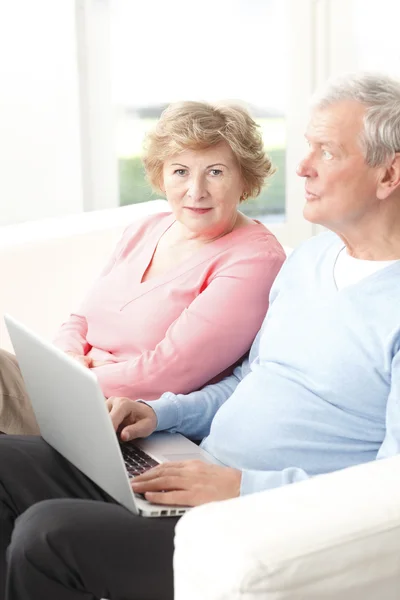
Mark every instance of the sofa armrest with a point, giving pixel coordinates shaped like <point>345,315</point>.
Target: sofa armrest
<point>334,536</point>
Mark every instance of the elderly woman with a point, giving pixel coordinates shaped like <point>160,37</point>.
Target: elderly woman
<point>184,293</point>
<point>319,392</point>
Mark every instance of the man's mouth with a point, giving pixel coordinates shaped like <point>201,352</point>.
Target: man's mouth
<point>310,196</point>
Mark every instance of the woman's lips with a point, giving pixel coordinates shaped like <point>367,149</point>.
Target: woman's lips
<point>198,211</point>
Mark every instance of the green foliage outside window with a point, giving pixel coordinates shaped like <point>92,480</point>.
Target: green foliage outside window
<point>134,187</point>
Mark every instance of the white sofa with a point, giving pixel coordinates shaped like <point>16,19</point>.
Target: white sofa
<point>334,537</point>
<point>47,266</point>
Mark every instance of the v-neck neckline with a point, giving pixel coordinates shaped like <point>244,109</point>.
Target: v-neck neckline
<point>336,249</point>
<point>203,254</point>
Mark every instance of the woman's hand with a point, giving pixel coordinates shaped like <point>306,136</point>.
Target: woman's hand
<point>86,361</point>
<point>188,483</point>
<point>101,363</point>
<point>134,419</point>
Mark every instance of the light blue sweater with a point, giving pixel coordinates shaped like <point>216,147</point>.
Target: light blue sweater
<point>321,388</point>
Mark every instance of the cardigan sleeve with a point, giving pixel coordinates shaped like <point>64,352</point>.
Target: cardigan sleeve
<point>71,336</point>
<point>212,334</point>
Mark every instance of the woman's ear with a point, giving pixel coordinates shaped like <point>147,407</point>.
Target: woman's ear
<point>161,185</point>
<point>390,180</point>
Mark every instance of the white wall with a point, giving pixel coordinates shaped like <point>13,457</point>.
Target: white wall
<point>56,128</point>
<point>363,35</point>
<point>40,153</point>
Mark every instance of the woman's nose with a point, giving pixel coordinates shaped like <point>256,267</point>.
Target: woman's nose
<point>197,188</point>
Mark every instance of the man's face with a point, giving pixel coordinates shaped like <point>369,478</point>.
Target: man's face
<point>340,187</point>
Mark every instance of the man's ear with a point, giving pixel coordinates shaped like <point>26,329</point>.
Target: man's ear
<point>390,179</point>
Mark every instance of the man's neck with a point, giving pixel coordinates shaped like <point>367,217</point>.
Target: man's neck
<point>376,237</point>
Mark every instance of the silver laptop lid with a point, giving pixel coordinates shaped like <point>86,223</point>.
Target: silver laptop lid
<point>71,411</point>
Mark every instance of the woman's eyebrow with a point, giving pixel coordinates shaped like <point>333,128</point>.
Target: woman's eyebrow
<point>218,165</point>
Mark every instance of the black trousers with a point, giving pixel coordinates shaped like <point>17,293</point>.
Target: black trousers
<point>63,538</point>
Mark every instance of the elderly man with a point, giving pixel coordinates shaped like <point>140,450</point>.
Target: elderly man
<point>319,392</point>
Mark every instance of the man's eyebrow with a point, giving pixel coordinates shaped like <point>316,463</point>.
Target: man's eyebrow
<point>323,142</point>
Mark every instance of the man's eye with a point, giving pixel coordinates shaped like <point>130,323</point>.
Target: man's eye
<point>180,172</point>
<point>216,172</point>
<point>326,154</point>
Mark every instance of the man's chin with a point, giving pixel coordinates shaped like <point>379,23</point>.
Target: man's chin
<point>312,212</point>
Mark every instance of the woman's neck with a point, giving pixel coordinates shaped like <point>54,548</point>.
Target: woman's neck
<point>182,234</point>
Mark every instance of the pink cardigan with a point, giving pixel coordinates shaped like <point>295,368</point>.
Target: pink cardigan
<point>183,328</point>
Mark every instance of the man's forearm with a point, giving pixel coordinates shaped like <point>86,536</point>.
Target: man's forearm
<point>192,414</point>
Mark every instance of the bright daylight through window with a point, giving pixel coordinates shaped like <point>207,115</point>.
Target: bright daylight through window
<point>232,50</point>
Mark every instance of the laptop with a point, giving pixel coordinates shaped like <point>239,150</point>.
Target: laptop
<point>73,418</point>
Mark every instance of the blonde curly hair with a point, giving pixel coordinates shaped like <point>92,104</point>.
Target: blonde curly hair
<point>199,125</point>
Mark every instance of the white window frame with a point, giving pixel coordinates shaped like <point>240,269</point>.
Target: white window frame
<point>310,53</point>
<point>333,51</point>
<point>100,183</point>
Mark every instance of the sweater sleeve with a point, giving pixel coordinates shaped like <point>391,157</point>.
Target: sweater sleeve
<point>192,414</point>
<point>213,333</point>
<point>257,481</point>
<point>391,443</point>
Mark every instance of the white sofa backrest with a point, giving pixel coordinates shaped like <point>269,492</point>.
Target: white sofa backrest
<point>47,266</point>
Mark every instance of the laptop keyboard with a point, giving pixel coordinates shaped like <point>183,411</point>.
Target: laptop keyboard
<point>136,461</point>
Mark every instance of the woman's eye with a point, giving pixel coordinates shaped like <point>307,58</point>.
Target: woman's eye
<point>180,172</point>
<point>326,154</point>
<point>216,172</point>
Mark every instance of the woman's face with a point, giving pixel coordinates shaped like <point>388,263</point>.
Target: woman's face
<point>203,188</point>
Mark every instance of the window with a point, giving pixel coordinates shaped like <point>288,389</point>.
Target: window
<point>76,107</point>
<point>381,26</point>
<point>227,50</point>
<point>359,35</point>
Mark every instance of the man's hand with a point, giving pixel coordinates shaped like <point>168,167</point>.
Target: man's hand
<point>86,361</point>
<point>188,483</point>
<point>134,419</point>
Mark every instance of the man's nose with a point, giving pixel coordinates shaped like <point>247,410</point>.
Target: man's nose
<point>305,167</point>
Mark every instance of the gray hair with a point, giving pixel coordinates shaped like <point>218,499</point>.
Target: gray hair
<point>380,94</point>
